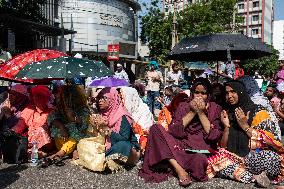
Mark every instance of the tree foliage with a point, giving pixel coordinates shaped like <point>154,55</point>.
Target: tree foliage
<point>156,30</point>
<point>28,9</point>
<point>205,17</point>
<point>265,66</point>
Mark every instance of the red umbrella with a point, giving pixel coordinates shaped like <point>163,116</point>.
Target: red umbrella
<point>10,68</point>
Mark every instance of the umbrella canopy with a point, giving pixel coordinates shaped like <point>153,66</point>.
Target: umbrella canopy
<point>64,67</point>
<point>196,65</point>
<point>109,82</point>
<point>219,47</point>
<point>12,67</point>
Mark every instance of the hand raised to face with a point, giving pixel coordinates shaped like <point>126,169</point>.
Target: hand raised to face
<point>242,118</point>
<point>225,119</point>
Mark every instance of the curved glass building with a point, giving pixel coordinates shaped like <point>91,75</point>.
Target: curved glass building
<point>99,22</point>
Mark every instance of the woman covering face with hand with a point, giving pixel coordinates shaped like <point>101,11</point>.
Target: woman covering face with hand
<point>195,125</point>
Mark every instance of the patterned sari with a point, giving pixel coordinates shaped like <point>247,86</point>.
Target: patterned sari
<point>262,152</point>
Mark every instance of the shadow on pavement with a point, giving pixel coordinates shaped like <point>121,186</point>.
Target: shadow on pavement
<point>10,174</point>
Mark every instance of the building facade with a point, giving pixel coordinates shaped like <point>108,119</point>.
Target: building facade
<point>258,18</point>
<point>278,37</point>
<point>99,23</point>
<point>168,5</point>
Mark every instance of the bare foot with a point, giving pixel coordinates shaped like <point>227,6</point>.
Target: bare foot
<point>75,155</point>
<point>133,157</point>
<point>262,180</point>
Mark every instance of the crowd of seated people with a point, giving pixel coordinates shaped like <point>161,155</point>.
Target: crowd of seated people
<point>230,130</point>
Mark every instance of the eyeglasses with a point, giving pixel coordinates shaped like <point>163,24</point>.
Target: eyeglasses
<point>200,92</point>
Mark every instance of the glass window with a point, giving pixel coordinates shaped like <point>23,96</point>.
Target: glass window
<point>255,18</point>
<point>255,4</point>
<point>255,31</point>
<point>241,6</point>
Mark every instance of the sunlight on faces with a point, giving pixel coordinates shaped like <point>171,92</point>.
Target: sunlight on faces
<point>231,96</point>
<point>103,102</point>
<point>282,105</point>
<point>269,92</point>
<point>200,92</point>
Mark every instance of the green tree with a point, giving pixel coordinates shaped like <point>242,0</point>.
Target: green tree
<point>27,9</point>
<point>205,17</point>
<point>156,30</point>
<point>267,65</point>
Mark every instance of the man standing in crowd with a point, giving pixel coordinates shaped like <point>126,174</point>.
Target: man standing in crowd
<point>154,78</point>
<point>174,76</point>
<point>279,77</point>
<point>121,73</point>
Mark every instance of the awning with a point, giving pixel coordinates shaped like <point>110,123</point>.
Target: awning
<point>13,22</point>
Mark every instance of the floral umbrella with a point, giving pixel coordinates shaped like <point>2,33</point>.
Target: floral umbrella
<point>62,68</point>
<point>12,67</point>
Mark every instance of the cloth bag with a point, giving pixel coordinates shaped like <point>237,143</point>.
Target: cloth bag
<point>14,148</point>
<point>92,153</point>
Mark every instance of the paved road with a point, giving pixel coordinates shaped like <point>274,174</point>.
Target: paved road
<point>70,176</point>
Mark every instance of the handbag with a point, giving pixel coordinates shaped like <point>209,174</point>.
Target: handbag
<point>92,153</point>
<point>14,148</point>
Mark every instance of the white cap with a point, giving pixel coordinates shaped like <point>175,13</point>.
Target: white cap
<point>78,55</point>
<point>119,65</point>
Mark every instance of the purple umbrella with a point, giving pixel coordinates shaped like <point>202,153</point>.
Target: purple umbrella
<point>109,82</point>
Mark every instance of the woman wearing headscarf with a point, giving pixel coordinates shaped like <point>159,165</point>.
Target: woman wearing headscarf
<point>255,95</point>
<point>70,119</point>
<point>249,139</point>
<point>12,108</point>
<point>166,114</point>
<point>140,113</point>
<point>34,119</point>
<point>195,125</point>
<point>121,142</point>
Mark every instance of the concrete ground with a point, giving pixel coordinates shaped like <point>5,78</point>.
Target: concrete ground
<point>71,176</point>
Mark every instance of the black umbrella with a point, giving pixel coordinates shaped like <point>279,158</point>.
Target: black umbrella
<point>222,47</point>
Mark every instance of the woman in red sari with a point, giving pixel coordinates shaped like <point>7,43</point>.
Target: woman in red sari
<point>195,125</point>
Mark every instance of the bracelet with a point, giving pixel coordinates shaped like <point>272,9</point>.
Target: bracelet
<point>246,130</point>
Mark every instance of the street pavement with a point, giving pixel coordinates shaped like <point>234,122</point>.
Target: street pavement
<point>71,176</point>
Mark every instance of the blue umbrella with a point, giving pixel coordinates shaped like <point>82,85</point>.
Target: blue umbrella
<point>196,65</point>
<point>109,82</point>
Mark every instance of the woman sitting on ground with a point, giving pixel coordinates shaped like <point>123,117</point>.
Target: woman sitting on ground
<point>139,112</point>
<point>70,119</point>
<point>249,138</point>
<point>121,144</point>
<point>195,125</point>
<point>166,114</point>
<point>13,106</point>
<point>34,120</point>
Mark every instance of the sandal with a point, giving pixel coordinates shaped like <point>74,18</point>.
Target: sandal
<point>46,162</point>
<point>58,161</point>
<point>185,182</point>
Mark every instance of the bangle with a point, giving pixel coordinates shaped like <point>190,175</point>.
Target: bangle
<point>246,130</point>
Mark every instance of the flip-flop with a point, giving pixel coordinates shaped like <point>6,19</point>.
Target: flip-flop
<point>46,162</point>
<point>58,161</point>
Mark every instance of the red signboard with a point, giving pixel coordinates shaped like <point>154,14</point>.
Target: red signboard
<point>113,52</point>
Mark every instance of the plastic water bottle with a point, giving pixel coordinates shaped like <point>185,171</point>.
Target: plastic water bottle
<point>34,155</point>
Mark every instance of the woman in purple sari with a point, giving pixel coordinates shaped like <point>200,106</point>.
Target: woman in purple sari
<point>195,125</point>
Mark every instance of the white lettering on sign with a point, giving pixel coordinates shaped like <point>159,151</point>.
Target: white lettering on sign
<point>111,20</point>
